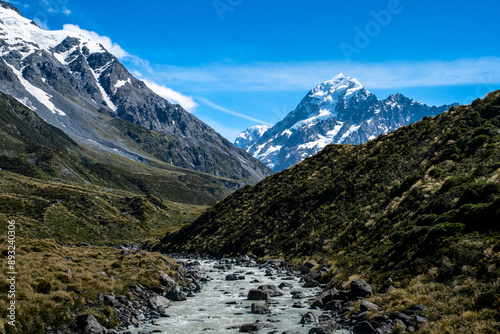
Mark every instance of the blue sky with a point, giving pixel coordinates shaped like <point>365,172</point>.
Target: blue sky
<point>238,63</point>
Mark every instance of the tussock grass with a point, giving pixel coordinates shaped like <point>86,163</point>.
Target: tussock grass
<point>50,288</point>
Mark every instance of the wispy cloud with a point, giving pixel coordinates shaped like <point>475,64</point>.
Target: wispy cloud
<point>172,96</point>
<point>288,76</point>
<point>230,112</point>
<point>66,11</point>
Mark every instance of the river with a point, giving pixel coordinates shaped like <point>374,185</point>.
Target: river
<point>222,306</point>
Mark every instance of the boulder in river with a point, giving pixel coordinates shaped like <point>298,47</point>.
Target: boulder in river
<point>258,294</point>
<point>309,318</point>
<point>158,302</point>
<point>260,309</point>
<point>298,295</point>
<point>176,295</point>
<point>273,290</point>
<point>252,327</point>
<point>285,285</point>
<point>232,277</point>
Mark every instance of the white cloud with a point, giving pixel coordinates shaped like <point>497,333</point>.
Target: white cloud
<point>293,76</point>
<point>230,112</point>
<point>172,96</point>
<point>108,44</point>
<point>66,11</point>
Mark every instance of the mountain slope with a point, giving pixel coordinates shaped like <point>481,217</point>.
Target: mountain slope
<point>338,111</point>
<point>59,190</point>
<point>33,148</point>
<point>75,84</point>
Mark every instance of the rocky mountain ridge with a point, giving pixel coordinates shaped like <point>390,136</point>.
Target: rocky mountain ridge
<point>337,111</point>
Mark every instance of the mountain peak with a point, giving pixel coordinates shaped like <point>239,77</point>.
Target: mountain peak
<point>335,89</point>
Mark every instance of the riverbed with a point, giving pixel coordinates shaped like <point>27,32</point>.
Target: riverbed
<point>222,305</point>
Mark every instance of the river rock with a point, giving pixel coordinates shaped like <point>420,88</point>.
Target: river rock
<point>363,328</point>
<point>311,283</point>
<point>232,277</point>
<point>367,306</point>
<point>307,266</point>
<point>285,285</point>
<point>309,318</point>
<point>176,295</point>
<point>258,294</point>
<point>325,297</point>
<point>273,290</point>
<point>159,303</point>
<point>328,327</point>
<point>166,280</point>
<point>88,324</point>
<point>260,309</point>
<point>360,289</point>
<point>253,327</point>
<point>300,305</point>
<point>298,295</point>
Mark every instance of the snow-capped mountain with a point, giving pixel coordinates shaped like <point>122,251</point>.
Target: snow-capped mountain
<point>250,135</point>
<point>75,84</point>
<point>338,111</point>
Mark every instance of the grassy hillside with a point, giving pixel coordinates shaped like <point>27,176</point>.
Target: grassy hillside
<point>421,203</point>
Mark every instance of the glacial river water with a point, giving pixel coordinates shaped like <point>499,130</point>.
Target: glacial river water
<point>222,306</point>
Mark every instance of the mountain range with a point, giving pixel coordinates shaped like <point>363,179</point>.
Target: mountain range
<point>72,82</point>
<point>337,111</point>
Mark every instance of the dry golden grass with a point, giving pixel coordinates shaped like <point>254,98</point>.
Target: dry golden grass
<point>49,287</point>
<point>450,308</point>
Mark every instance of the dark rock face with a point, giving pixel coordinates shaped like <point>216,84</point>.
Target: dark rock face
<point>338,111</point>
